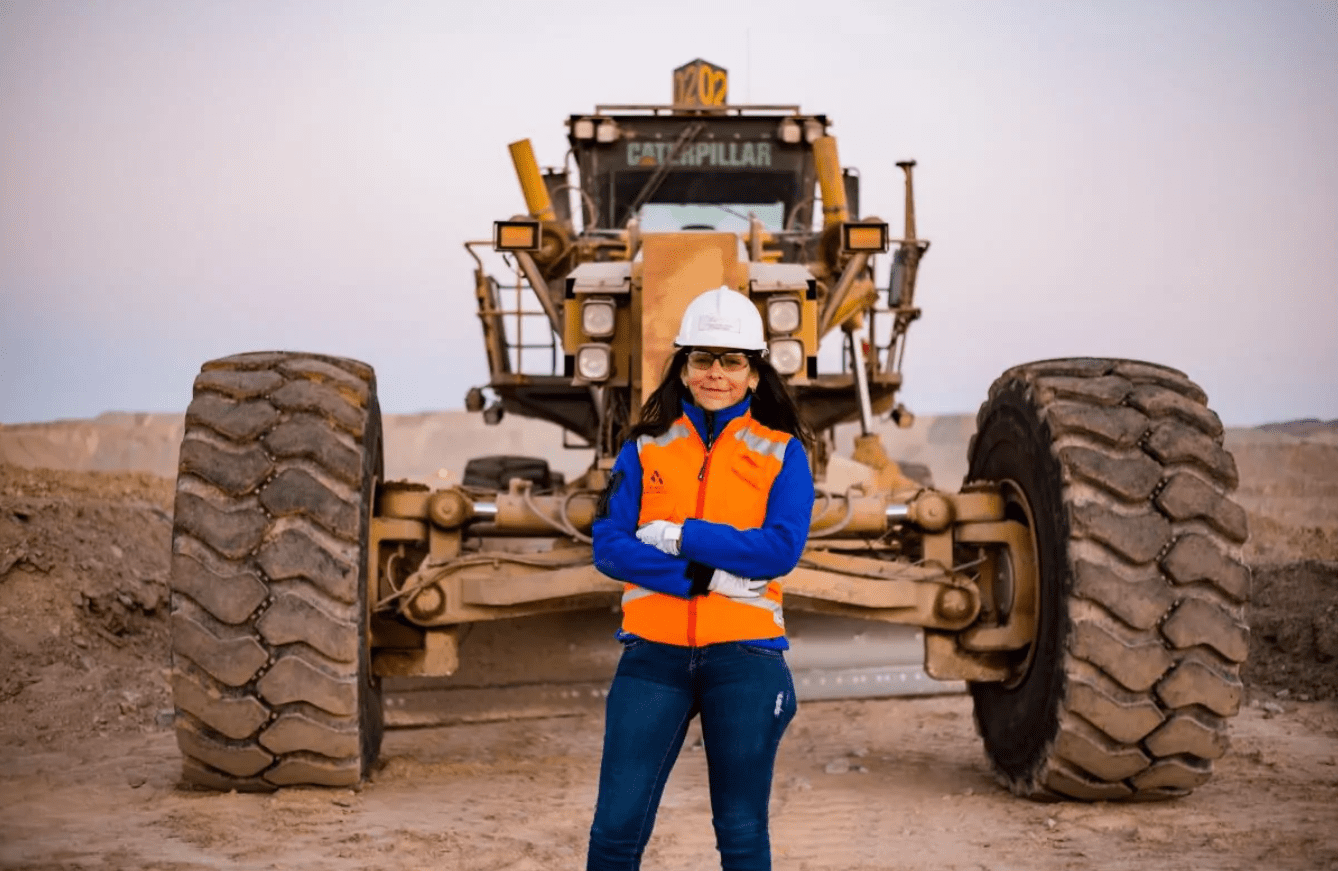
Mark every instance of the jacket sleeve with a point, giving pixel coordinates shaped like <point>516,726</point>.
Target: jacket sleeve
<point>618,552</point>
<point>774,548</point>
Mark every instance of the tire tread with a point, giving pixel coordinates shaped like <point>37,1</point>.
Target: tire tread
<point>270,675</point>
<point>1152,614</point>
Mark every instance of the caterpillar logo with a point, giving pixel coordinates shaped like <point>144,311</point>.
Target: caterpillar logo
<point>727,154</point>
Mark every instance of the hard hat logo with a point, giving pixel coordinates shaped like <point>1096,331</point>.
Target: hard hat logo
<point>722,318</point>
<point>715,323</point>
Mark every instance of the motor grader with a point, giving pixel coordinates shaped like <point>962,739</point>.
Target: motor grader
<point>1084,581</point>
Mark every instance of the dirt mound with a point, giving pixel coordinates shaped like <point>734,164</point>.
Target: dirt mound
<point>1294,630</point>
<point>1307,427</point>
<point>83,602</point>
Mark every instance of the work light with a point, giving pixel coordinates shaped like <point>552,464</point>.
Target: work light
<point>597,318</point>
<point>783,314</point>
<point>864,236</point>
<point>786,355</point>
<point>515,235</point>
<point>593,362</point>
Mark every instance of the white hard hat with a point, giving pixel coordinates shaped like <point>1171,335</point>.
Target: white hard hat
<point>722,318</point>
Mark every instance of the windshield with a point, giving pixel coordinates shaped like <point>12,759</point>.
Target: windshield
<point>767,192</point>
<point>723,217</point>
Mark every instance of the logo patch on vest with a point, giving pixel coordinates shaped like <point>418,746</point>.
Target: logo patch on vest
<point>655,484</point>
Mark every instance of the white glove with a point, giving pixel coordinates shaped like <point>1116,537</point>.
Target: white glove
<point>735,587</point>
<point>663,535</point>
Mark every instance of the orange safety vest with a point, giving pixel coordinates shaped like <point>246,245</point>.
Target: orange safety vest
<point>729,484</point>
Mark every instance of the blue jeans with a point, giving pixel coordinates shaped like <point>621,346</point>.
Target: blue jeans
<point>745,696</point>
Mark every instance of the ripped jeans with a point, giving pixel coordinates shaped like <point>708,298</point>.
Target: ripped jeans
<point>745,696</point>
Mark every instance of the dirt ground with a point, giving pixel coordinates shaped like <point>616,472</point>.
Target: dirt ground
<point>89,765</point>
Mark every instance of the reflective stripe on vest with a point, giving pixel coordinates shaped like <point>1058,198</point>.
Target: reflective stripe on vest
<point>730,484</point>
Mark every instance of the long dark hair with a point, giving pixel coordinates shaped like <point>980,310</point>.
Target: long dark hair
<point>773,404</point>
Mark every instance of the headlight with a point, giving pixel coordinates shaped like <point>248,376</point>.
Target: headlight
<point>583,128</point>
<point>607,132</point>
<point>597,318</point>
<point>783,314</point>
<point>790,131</point>
<point>813,130</point>
<point>593,362</point>
<point>787,355</point>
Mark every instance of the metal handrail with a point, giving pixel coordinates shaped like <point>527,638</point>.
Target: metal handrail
<point>515,349</point>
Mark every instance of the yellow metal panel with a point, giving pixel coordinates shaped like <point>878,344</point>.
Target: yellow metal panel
<point>808,331</point>
<point>676,267</point>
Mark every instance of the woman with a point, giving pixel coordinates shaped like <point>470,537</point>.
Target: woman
<point>710,498</point>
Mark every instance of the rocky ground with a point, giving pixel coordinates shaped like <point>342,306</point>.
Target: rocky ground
<point>88,764</point>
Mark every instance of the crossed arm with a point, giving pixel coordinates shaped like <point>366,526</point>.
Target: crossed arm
<point>769,551</point>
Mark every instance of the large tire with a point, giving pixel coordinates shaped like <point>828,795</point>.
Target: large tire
<point>271,671</point>
<point>1141,628</point>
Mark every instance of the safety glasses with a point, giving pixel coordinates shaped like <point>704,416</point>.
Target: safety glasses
<point>730,361</point>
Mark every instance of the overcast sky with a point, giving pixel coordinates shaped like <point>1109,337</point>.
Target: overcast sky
<point>182,180</point>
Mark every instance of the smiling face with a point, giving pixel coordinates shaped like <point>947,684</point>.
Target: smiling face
<point>712,385</point>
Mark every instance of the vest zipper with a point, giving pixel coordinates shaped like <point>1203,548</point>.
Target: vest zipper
<point>708,441</point>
